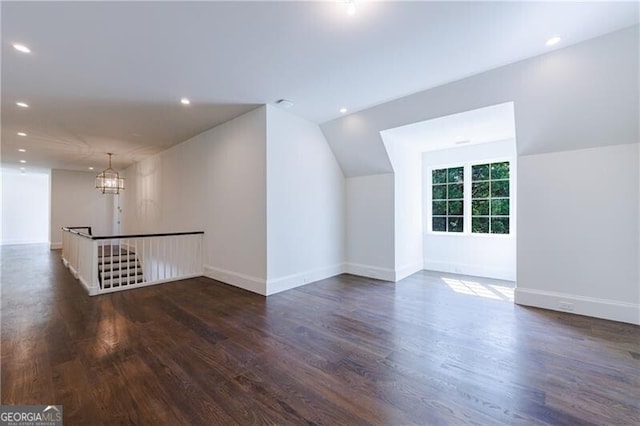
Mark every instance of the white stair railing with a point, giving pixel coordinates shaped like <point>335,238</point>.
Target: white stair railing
<point>106,264</point>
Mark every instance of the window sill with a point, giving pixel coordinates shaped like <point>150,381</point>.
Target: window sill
<point>469,234</point>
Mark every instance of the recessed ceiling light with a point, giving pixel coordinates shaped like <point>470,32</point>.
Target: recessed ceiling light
<point>22,134</point>
<point>23,161</point>
<point>351,7</point>
<point>553,40</point>
<point>22,104</point>
<point>90,168</point>
<point>21,48</point>
<point>343,110</point>
<point>22,150</point>
<point>185,101</point>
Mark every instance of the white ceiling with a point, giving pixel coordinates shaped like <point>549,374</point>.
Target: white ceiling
<point>108,76</point>
<point>482,125</point>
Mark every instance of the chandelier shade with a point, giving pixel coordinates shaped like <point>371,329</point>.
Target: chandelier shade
<point>109,181</point>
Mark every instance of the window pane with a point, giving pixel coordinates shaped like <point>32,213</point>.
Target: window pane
<point>490,207</point>
<point>456,174</point>
<point>480,207</point>
<point>480,190</point>
<point>439,223</point>
<point>499,225</point>
<point>500,207</point>
<point>500,170</point>
<point>439,208</point>
<point>490,204</point>
<point>480,172</point>
<point>480,225</point>
<point>500,188</point>
<point>439,176</point>
<point>455,208</point>
<point>455,223</point>
<point>439,192</point>
<point>456,190</point>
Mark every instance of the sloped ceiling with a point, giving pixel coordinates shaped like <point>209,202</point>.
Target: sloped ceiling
<point>583,96</point>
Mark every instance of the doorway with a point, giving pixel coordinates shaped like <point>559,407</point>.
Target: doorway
<point>25,206</point>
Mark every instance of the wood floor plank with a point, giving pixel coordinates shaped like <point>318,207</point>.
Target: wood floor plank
<point>346,350</point>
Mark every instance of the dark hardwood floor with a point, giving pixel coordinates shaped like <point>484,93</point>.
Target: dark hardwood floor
<point>343,351</point>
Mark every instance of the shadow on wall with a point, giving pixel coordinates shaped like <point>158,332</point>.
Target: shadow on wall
<point>148,177</point>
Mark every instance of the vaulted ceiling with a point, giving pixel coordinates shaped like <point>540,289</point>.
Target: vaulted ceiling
<point>108,76</point>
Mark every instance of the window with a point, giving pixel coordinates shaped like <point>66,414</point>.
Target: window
<point>490,198</point>
<point>448,200</point>
<point>487,198</point>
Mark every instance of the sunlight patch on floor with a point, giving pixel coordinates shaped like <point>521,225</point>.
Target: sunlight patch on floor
<point>474,288</point>
<point>506,292</point>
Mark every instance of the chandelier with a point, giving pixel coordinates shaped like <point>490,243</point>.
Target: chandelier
<point>109,181</point>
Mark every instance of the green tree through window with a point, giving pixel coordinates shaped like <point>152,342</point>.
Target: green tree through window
<point>447,189</point>
<point>490,198</point>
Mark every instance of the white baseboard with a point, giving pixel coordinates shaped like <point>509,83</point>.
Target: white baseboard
<point>369,271</point>
<point>22,242</point>
<point>588,306</point>
<point>73,270</point>
<point>55,246</point>
<point>276,285</point>
<point>386,274</point>
<point>405,271</point>
<point>466,269</point>
<point>86,285</point>
<point>77,276</point>
<point>246,282</point>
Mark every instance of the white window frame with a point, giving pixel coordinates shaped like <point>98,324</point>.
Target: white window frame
<point>428,197</point>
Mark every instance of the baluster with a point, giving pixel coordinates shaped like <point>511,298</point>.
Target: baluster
<point>183,248</point>
<point>177,255</point>
<point>174,256</point>
<point>111,284</point>
<point>101,270</point>
<point>166,255</point>
<point>142,261</point>
<point>172,249</point>
<point>135,260</point>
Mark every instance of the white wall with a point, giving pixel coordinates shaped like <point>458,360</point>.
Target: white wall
<point>305,204</point>
<point>370,226</point>
<point>25,207</point>
<point>406,160</point>
<point>76,202</point>
<point>578,231</point>
<point>266,190</point>
<point>492,256</point>
<point>582,96</point>
<point>166,192</point>
<point>215,182</point>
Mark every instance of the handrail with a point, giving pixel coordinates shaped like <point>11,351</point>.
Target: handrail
<point>168,234</point>
<point>108,263</point>
<point>72,229</point>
